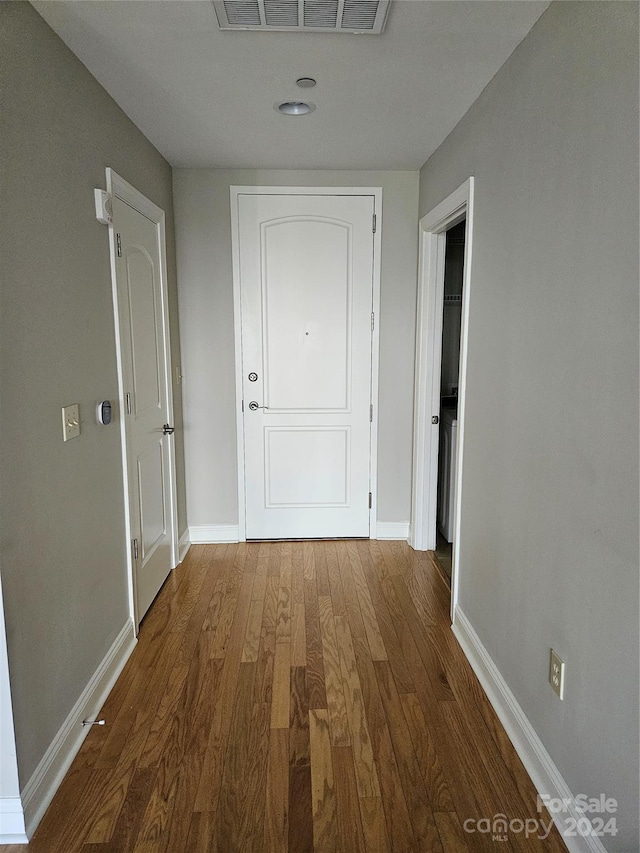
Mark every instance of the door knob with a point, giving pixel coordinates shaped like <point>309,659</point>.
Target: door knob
<point>168,430</point>
<point>253,405</point>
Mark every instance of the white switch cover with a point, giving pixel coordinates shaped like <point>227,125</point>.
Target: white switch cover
<point>70,422</point>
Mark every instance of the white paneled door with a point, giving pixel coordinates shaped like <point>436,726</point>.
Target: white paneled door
<point>305,265</point>
<point>144,346</point>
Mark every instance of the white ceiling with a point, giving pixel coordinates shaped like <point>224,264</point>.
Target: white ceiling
<point>205,97</point>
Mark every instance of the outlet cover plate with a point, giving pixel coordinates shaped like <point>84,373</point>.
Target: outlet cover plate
<point>556,674</point>
<point>70,422</point>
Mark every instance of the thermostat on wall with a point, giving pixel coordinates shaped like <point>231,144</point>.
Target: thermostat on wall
<point>104,212</point>
<point>104,412</point>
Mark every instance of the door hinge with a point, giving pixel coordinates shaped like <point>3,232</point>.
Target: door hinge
<point>371,413</point>
<point>374,223</point>
<point>135,549</point>
<point>370,500</point>
<point>128,402</point>
<point>373,321</point>
<point>243,405</point>
<point>119,245</point>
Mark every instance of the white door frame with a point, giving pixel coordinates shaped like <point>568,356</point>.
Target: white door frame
<point>376,192</point>
<point>119,188</point>
<point>433,227</point>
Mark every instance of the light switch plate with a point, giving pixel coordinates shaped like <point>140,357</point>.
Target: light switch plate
<point>70,422</point>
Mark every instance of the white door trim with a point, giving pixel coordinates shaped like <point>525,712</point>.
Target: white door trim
<point>118,187</point>
<point>428,366</point>
<point>12,820</point>
<point>376,192</point>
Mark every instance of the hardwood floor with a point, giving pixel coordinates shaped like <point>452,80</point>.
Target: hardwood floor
<point>295,696</point>
<point>443,554</point>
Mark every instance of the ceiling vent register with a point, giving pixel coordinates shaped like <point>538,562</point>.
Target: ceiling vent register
<point>317,16</point>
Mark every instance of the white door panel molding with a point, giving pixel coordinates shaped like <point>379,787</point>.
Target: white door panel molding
<point>306,284</point>
<point>139,274</point>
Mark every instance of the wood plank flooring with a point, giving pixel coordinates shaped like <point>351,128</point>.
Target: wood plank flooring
<point>295,696</point>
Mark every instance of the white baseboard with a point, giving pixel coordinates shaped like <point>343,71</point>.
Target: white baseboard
<point>209,534</point>
<point>12,829</point>
<point>46,779</point>
<point>183,545</point>
<point>392,530</point>
<point>538,763</point>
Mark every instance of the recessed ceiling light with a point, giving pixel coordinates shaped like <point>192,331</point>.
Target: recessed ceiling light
<point>295,108</point>
<point>306,82</point>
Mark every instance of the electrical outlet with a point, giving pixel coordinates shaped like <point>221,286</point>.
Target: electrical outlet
<point>70,422</point>
<point>556,674</point>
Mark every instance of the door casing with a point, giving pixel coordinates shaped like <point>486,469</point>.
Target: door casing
<point>235,192</point>
<point>118,187</point>
<point>432,247</point>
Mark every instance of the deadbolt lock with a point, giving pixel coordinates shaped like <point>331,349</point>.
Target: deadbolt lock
<point>253,377</point>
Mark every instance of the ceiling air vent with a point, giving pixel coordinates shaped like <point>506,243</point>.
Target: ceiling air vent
<point>317,16</point>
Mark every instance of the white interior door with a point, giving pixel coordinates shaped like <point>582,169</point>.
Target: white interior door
<point>144,344</point>
<point>306,289</point>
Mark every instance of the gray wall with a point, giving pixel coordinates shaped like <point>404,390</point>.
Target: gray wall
<point>61,507</point>
<point>549,538</point>
<point>203,234</point>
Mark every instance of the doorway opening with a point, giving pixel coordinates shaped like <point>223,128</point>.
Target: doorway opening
<point>455,210</point>
<point>449,384</point>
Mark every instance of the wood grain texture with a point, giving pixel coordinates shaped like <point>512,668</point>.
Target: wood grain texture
<point>323,794</point>
<point>420,811</point>
<point>115,788</point>
<point>336,592</point>
<point>396,808</point>
<point>281,697</point>
<point>374,826</point>
<point>294,696</point>
<point>425,751</point>
<point>315,659</point>
<point>298,622</point>
<point>201,832</point>
<point>364,764</point>
<point>283,613</point>
<point>263,685</point>
<point>322,573</point>
<point>241,810</point>
<point>276,825</point>
<point>299,748</point>
<point>234,779</point>
<point>270,610</point>
<point>369,617</point>
<point>300,809</point>
<point>236,584</point>
<point>252,637</point>
<point>451,833</point>
<point>309,561</point>
<point>333,676</point>
<point>210,780</point>
<point>350,836</point>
